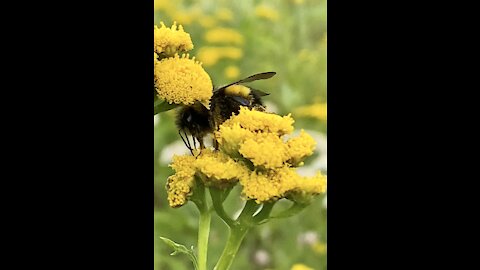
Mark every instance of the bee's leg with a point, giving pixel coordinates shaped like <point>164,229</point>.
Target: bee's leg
<point>185,142</point>
<point>214,140</point>
<point>194,143</point>
<point>189,144</point>
<point>202,145</point>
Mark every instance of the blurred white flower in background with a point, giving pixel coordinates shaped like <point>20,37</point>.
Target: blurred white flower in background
<point>175,148</point>
<point>179,148</point>
<point>307,238</point>
<point>271,107</point>
<point>261,257</point>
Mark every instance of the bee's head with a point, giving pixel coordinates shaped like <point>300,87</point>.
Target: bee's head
<point>193,118</point>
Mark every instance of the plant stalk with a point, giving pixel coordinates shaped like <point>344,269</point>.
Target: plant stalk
<point>235,239</point>
<point>200,201</point>
<point>203,233</point>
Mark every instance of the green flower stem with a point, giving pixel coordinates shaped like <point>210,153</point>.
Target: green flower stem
<point>204,225</point>
<point>203,232</point>
<point>237,233</point>
<point>217,199</point>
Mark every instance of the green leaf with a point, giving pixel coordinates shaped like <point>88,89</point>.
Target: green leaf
<point>162,106</point>
<point>177,248</point>
<point>293,210</point>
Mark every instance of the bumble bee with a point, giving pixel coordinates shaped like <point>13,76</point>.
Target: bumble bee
<point>198,121</point>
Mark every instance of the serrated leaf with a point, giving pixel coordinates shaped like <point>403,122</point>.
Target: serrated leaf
<point>178,248</point>
<point>162,106</point>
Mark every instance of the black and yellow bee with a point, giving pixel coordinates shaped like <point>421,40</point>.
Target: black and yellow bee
<point>198,121</point>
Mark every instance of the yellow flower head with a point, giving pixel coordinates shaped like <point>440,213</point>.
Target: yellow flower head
<point>317,111</point>
<point>232,72</point>
<point>211,55</point>
<point>266,12</point>
<point>220,170</point>
<point>312,185</point>
<point>269,185</point>
<point>300,266</point>
<point>179,185</point>
<point>320,248</point>
<point>165,5</point>
<point>267,151</point>
<point>182,80</point>
<point>207,21</point>
<point>300,147</point>
<point>213,168</point>
<point>308,187</point>
<point>224,14</point>
<point>184,17</point>
<point>171,40</point>
<point>224,35</point>
<point>231,137</point>
<point>298,2</point>
<point>258,121</point>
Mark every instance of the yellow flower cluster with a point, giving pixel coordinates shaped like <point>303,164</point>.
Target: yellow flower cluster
<point>317,111</point>
<point>232,72</point>
<point>300,147</point>
<point>212,167</point>
<point>300,266</point>
<point>182,80</point>
<point>298,2</point>
<point>257,138</point>
<point>220,169</point>
<point>266,12</point>
<point>171,40</point>
<point>207,21</point>
<point>252,152</point>
<point>260,121</point>
<point>224,14</point>
<point>210,55</point>
<point>223,35</point>
<point>320,248</point>
<point>180,184</point>
<point>165,5</point>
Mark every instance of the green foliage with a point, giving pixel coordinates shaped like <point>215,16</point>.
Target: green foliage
<point>181,249</point>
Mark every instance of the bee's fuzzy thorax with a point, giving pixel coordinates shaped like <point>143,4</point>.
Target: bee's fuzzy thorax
<point>238,90</point>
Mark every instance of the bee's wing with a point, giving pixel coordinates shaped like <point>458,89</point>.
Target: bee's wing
<point>259,93</point>
<point>255,77</point>
<point>258,76</point>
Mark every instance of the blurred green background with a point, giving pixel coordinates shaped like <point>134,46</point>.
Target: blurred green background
<point>235,39</point>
